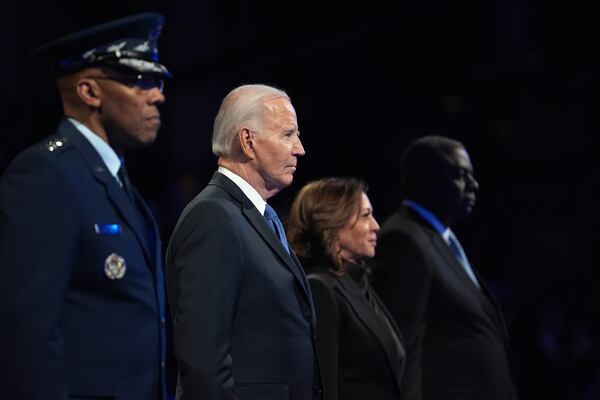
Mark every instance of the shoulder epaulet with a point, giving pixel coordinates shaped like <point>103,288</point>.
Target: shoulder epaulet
<point>55,143</point>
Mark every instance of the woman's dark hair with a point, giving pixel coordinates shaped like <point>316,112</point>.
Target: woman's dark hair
<point>318,212</point>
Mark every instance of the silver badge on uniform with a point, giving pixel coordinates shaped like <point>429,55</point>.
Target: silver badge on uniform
<point>115,266</point>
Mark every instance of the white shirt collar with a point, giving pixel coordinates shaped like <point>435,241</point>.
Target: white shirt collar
<point>248,190</point>
<point>108,155</point>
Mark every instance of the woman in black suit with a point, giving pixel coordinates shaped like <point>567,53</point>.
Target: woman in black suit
<point>332,229</point>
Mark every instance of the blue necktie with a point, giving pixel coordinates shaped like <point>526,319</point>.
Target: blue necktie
<point>462,257</point>
<point>275,224</point>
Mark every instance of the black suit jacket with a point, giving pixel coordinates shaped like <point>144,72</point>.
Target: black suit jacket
<point>455,333</point>
<point>242,310</point>
<point>67,328</point>
<point>359,357</point>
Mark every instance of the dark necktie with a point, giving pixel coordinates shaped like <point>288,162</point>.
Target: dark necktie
<point>128,188</point>
<point>462,257</point>
<point>126,184</point>
<point>275,224</point>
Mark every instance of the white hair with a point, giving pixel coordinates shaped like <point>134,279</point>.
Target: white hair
<point>242,107</point>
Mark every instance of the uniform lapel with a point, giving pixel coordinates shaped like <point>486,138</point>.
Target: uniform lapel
<point>365,312</point>
<point>149,219</point>
<point>157,265</point>
<point>114,192</point>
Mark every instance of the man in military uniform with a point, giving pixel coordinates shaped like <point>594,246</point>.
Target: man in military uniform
<point>81,278</point>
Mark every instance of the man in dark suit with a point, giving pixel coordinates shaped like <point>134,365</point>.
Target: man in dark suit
<point>453,327</point>
<point>243,317</point>
<point>81,279</point>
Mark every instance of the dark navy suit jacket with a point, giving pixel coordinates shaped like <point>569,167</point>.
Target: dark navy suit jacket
<point>455,333</point>
<point>243,318</point>
<point>67,328</point>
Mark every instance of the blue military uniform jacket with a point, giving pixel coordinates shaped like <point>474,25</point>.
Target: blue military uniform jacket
<point>81,280</point>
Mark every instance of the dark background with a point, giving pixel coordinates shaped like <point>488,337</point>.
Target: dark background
<point>515,81</point>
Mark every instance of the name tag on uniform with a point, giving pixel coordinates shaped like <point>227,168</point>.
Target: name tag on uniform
<point>107,229</point>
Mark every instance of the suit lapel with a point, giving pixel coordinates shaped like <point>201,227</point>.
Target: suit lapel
<point>447,254</point>
<point>365,312</point>
<point>484,294</point>
<point>443,250</point>
<point>260,225</point>
<point>305,284</point>
<point>494,308</point>
<point>114,192</point>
